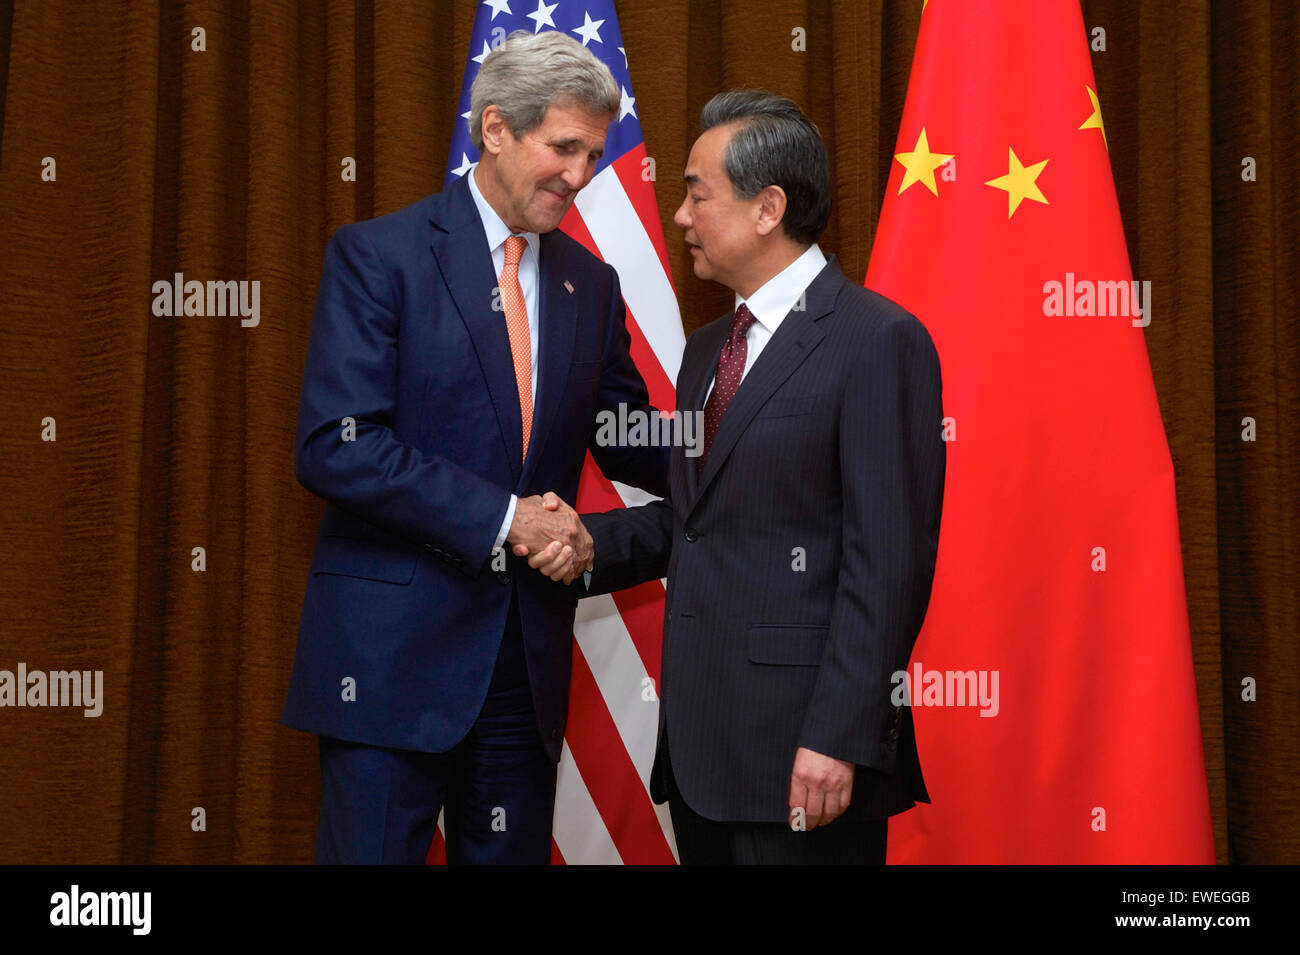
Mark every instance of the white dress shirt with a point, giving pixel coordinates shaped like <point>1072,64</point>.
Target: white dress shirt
<point>529,267</point>
<point>773,301</point>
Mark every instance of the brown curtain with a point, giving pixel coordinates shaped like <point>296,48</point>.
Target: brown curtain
<point>176,434</point>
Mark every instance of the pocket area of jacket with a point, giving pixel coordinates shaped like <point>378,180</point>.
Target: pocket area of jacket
<point>786,644</point>
<point>367,559</point>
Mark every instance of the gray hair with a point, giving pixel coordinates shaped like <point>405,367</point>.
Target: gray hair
<point>775,145</point>
<point>530,72</point>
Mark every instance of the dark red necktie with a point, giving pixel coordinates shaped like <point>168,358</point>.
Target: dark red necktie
<point>731,365</point>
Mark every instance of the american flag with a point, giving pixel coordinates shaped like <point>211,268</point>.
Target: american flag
<point>603,811</point>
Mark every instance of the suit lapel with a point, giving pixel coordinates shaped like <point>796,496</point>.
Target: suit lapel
<point>557,329</point>
<point>460,247</point>
<point>792,343</point>
<point>694,383</point>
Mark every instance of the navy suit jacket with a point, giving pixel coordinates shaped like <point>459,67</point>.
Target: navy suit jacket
<point>799,562</point>
<point>404,610</point>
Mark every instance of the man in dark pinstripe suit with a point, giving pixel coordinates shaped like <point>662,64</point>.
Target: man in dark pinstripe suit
<point>800,546</point>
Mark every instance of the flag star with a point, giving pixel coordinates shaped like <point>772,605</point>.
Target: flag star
<point>625,104</point>
<point>1094,121</point>
<point>624,52</point>
<point>590,30</point>
<point>542,15</point>
<point>498,6</point>
<point>464,167</point>
<point>1020,182</point>
<point>486,50</point>
<point>465,115</point>
<point>919,165</point>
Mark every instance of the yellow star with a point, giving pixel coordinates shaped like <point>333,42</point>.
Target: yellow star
<point>1019,182</point>
<point>920,165</point>
<point>1094,121</point>
<point>924,4</point>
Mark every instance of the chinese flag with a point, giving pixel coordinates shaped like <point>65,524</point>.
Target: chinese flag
<point>1052,685</point>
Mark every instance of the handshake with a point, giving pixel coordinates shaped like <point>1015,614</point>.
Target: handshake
<point>547,531</point>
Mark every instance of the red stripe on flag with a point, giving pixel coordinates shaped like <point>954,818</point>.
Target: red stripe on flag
<point>663,394</point>
<point>662,391</point>
<point>642,606</point>
<point>642,610</point>
<point>437,854</point>
<point>575,228</point>
<point>612,779</point>
<point>640,192</point>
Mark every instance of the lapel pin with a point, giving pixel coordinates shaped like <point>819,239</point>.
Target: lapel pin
<point>568,286</point>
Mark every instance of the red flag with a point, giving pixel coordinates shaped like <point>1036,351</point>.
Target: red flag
<point>1058,600</point>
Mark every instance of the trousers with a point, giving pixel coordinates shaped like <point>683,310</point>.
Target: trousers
<point>496,787</point>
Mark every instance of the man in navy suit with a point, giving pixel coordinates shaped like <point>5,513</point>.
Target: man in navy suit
<point>461,349</point>
<point>800,546</point>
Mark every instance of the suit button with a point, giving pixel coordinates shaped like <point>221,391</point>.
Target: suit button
<point>428,548</point>
<point>503,577</point>
<point>691,535</point>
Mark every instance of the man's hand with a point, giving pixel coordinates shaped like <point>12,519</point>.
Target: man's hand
<point>551,537</point>
<point>820,787</point>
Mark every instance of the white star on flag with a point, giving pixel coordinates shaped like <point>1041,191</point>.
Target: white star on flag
<point>542,15</point>
<point>464,167</point>
<point>497,6</point>
<point>486,50</point>
<point>590,30</point>
<point>625,104</point>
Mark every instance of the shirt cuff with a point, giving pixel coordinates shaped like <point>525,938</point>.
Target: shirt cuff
<point>505,525</point>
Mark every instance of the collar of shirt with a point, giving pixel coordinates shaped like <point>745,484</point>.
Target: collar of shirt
<point>496,229</point>
<point>775,297</point>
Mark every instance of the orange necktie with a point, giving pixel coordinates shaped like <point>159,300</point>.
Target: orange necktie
<point>512,300</point>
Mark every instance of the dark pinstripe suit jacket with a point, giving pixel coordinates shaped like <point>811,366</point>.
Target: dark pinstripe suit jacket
<point>799,562</point>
